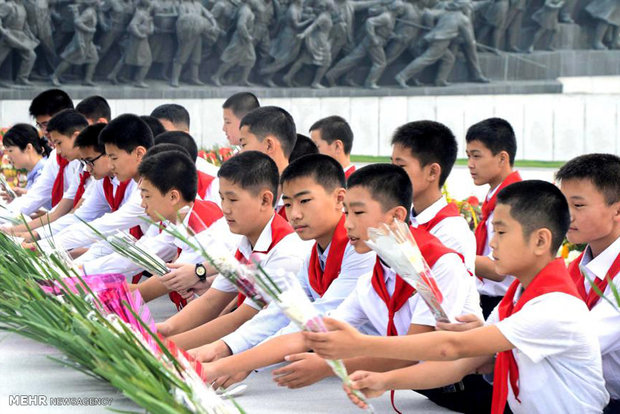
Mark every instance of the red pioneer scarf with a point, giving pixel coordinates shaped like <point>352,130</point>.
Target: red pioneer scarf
<point>591,298</point>
<point>319,279</point>
<point>59,183</point>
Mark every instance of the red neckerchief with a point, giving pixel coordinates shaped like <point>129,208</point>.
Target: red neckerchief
<point>319,279</point>
<point>591,298</point>
<point>58,188</point>
<point>450,210</point>
<point>84,176</point>
<point>280,228</point>
<point>204,182</point>
<point>552,278</point>
<point>114,199</point>
<point>282,212</point>
<point>487,208</point>
<point>349,171</point>
<point>203,214</point>
<point>432,249</point>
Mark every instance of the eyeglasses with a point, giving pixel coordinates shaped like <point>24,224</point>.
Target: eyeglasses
<point>90,163</point>
<point>42,125</point>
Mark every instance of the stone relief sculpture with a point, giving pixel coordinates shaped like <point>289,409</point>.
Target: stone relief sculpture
<point>291,43</point>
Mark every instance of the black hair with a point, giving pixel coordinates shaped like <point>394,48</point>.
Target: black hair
<point>66,122</point>
<point>94,107</point>
<point>89,137</point>
<point>153,123</point>
<point>20,135</point>
<point>272,120</point>
<point>171,170</point>
<point>174,113</point>
<point>159,148</point>
<point>335,128</point>
<point>387,184</point>
<point>323,169</point>
<point>496,134</point>
<point>252,171</point>
<point>50,102</point>
<point>241,103</point>
<point>303,146</point>
<point>127,132</point>
<point>538,204</point>
<point>180,138</point>
<point>429,142</point>
<point>603,170</point>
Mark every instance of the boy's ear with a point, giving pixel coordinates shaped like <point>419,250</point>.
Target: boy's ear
<point>339,146</point>
<point>271,144</point>
<point>339,194</point>
<point>174,195</point>
<point>542,239</point>
<point>266,199</point>
<point>140,151</point>
<point>434,171</point>
<point>74,135</point>
<point>504,157</point>
<point>400,213</point>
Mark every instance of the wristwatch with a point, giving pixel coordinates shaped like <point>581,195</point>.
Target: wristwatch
<point>201,272</point>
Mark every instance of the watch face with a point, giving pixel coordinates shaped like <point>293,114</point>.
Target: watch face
<point>200,270</point>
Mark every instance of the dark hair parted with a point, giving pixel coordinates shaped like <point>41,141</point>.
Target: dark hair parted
<point>169,170</point>
<point>66,122</point>
<point>20,135</point>
<point>127,132</point>
<point>537,204</point>
<point>496,134</point>
<point>603,170</point>
<point>429,142</point>
<point>387,184</point>
<point>275,121</point>
<point>303,146</point>
<point>323,169</point>
<point>252,171</point>
<point>89,137</point>
<point>241,103</point>
<point>50,102</point>
<point>94,107</point>
<point>335,128</point>
<point>153,123</point>
<point>174,113</point>
<point>180,138</point>
<point>159,148</point>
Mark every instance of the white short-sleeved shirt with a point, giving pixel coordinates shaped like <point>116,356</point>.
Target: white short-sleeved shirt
<point>485,286</point>
<point>453,232</point>
<point>365,310</point>
<point>270,322</point>
<point>288,254</point>
<point>558,355</point>
<point>40,194</point>
<point>206,167</point>
<point>605,316</point>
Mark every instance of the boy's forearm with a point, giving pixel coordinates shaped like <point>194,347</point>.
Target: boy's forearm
<point>375,364</point>
<point>485,268</point>
<point>263,355</point>
<point>215,329</point>
<point>197,312</point>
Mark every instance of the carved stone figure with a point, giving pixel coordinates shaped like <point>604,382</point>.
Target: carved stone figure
<point>547,18</point>
<point>491,22</point>
<point>342,34</point>
<point>16,35</point>
<point>452,29</point>
<point>286,46</point>
<point>163,41</point>
<point>378,31</point>
<point>138,51</point>
<point>62,19</point>
<point>607,15</point>
<point>40,23</point>
<point>514,21</point>
<point>316,49</point>
<point>264,15</point>
<point>406,32</point>
<point>224,12</point>
<point>240,50</point>
<point>193,23</point>
<point>81,49</point>
<point>115,15</point>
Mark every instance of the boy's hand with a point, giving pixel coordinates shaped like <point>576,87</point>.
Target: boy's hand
<point>344,341</point>
<point>29,236</point>
<point>211,352</point>
<point>371,384</point>
<point>304,369</point>
<point>468,322</point>
<point>181,276</point>
<point>163,328</point>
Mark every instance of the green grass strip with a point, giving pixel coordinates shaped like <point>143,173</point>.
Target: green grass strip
<point>462,161</point>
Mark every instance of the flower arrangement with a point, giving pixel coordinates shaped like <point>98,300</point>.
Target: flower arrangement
<point>12,176</point>
<point>570,251</point>
<point>469,208</point>
<point>217,155</point>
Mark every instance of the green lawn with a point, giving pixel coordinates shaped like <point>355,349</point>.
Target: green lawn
<point>518,163</point>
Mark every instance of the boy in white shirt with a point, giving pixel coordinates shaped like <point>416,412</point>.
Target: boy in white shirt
<point>548,358</point>
<point>591,184</point>
<point>248,184</point>
<point>333,136</point>
<point>491,150</point>
<point>233,110</point>
<point>377,193</point>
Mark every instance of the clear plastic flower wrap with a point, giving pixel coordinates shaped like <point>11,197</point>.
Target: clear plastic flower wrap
<point>396,246</point>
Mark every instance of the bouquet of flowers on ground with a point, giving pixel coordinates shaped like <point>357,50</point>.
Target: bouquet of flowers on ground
<point>294,303</point>
<point>217,155</point>
<point>397,247</point>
